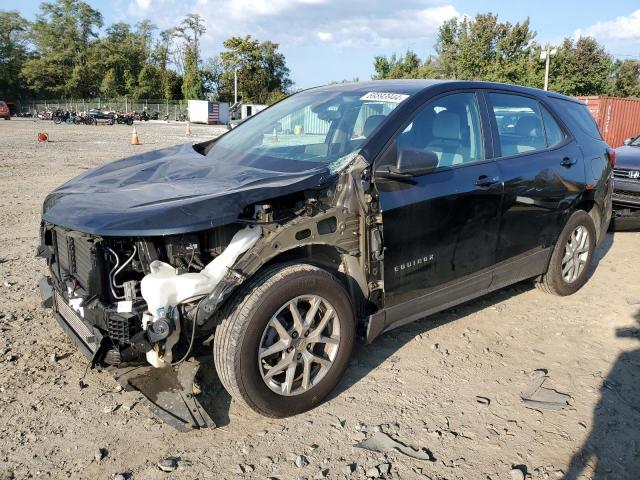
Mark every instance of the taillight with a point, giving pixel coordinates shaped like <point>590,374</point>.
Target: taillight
<point>611,153</point>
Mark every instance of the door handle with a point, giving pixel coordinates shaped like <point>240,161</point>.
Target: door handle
<point>486,181</point>
<point>568,162</point>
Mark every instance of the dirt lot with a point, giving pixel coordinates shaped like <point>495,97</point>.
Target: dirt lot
<point>450,384</point>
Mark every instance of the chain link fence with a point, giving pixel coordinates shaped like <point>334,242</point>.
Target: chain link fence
<point>175,110</point>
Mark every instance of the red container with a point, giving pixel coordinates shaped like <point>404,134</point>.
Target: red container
<point>617,118</point>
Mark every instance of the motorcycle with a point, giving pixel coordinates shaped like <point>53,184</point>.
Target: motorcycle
<point>144,116</point>
<point>124,118</point>
<point>98,115</point>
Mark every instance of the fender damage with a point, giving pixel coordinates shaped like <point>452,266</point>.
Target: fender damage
<point>132,297</point>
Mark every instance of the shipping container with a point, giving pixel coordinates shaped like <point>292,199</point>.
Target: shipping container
<point>617,118</point>
<point>211,113</point>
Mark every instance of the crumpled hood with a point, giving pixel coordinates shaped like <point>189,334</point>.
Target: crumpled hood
<point>169,191</point>
<point>628,157</point>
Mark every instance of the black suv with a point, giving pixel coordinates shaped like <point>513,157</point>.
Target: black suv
<point>341,209</point>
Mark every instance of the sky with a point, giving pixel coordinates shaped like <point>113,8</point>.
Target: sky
<point>333,40</point>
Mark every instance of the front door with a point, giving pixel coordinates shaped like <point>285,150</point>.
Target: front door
<point>440,229</point>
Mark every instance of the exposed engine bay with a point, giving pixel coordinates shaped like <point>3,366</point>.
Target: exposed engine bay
<point>156,299</point>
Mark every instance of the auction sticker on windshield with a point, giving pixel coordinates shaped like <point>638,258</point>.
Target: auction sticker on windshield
<point>384,97</point>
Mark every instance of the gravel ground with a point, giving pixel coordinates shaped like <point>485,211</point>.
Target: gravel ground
<point>450,384</point>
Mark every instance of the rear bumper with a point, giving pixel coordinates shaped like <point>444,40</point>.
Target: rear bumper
<point>85,337</point>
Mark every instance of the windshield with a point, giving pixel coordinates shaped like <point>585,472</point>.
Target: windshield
<point>311,129</point>
<point>635,142</point>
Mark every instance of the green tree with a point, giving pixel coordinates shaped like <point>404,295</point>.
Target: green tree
<point>149,83</point>
<point>61,36</point>
<point>408,66</point>
<point>212,76</point>
<point>192,84</point>
<point>625,81</point>
<point>190,30</point>
<point>125,52</point>
<point>109,86</point>
<point>13,54</point>
<point>580,68</point>
<point>261,68</point>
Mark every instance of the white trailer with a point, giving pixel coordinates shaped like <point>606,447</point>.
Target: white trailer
<point>209,113</point>
<point>249,109</point>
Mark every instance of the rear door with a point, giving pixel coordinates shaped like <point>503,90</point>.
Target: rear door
<point>542,169</point>
<point>440,229</point>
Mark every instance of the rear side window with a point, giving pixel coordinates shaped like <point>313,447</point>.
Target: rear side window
<point>581,115</point>
<point>523,124</point>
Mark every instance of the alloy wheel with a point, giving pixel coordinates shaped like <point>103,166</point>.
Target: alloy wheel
<point>299,345</point>
<point>576,254</point>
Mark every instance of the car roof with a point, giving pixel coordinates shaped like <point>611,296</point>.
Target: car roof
<point>413,86</point>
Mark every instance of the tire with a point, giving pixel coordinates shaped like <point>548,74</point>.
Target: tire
<point>57,120</point>
<point>554,281</point>
<point>246,324</point>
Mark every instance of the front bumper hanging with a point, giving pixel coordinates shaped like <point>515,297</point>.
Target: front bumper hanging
<point>168,390</point>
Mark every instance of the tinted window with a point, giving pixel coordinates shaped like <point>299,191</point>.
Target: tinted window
<point>554,133</point>
<point>523,124</point>
<point>450,127</point>
<point>581,115</point>
<point>519,123</point>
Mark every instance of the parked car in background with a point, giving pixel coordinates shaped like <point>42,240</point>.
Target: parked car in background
<point>626,185</point>
<point>4,111</point>
<point>345,209</point>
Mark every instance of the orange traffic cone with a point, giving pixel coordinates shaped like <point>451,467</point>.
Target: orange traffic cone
<point>43,137</point>
<point>188,129</point>
<point>134,137</point>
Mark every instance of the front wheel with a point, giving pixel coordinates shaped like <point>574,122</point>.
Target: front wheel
<point>572,256</point>
<point>285,340</point>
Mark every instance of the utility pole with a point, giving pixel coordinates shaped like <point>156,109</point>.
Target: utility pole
<point>235,86</point>
<point>546,56</point>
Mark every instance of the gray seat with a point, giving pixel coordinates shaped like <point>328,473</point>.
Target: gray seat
<point>371,123</point>
<point>446,139</point>
<point>530,134</point>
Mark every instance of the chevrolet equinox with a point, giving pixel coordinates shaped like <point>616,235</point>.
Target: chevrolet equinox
<point>342,210</point>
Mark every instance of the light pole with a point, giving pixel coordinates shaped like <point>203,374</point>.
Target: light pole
<point>546,55</point>
<point>235,85</point>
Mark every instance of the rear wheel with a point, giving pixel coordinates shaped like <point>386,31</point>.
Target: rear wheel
<point>572,256</point>
<point>285,340</point>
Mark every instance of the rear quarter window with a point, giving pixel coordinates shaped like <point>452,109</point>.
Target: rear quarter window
<point>580,115</point>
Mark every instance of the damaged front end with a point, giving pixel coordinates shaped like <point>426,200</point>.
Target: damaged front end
<point>129,301</point>
<point>124,301</point>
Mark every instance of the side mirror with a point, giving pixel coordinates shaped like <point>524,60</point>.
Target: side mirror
<point>413,161</point>
<point>410,162</point>
<point>628,141</point>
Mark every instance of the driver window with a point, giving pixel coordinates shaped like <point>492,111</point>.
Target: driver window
<point>448,126</point>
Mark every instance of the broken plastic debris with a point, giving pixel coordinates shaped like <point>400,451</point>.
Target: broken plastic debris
<point>381,442</point>
<point>536,396</point>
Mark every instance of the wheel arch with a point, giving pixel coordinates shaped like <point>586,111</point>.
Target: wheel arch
<point>344,267</point>
<point>594,210</point>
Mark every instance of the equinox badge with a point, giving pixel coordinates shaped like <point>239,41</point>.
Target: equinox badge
<point>413,265</point>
